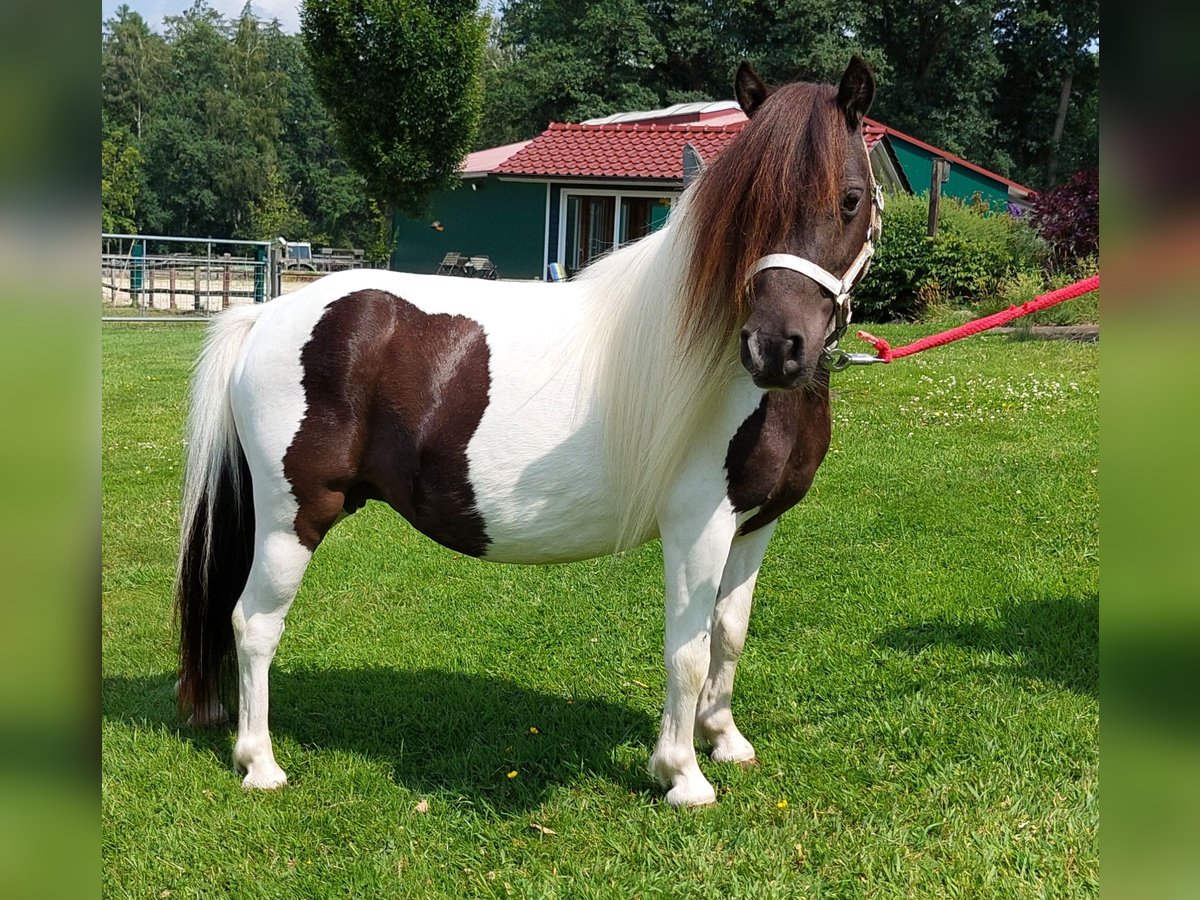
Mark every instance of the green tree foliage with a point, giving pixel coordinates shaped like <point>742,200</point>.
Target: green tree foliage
<point>211,148</point>
<point>213,128</point>
<point>964,263</point>
<point>980,79</point>
<point>943,72</point>
<point>133,69</point>
<point>400,79</point>
<point>275,213</point>
<point>330,195</point>
<point>570,60</point>
<point>120,182</point>
<point>805,39</point>
<point>1048,100</point>
<point>216,126</point>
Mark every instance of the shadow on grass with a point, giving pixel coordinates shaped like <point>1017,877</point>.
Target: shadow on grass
<point>1049,640</point>
<point>440,731</point>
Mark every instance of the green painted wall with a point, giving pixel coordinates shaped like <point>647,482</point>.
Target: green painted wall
<point>505,220</point>
<point>916,163</point>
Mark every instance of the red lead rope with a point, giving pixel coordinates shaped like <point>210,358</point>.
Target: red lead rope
<point>1070,292</point>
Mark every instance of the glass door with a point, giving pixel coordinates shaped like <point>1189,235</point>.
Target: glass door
<point>589,228</point>
<point>642,215</point>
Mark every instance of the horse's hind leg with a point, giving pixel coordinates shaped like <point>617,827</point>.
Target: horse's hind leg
<point>279,563</point>
<point>714,715</point>
<point>287,533</point>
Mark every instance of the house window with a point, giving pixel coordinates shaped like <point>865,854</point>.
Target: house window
<point>642,215</point>
<point>589,228</point>
<point>595,222</point>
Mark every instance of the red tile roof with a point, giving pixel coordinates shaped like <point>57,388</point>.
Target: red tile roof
<point>481,162</point>
<point>651,149</point>
<point>616,151</point>
<point>873,132</point>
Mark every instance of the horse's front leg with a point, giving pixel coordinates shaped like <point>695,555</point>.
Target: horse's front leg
<point>714,715</point>
<point>695,547</point>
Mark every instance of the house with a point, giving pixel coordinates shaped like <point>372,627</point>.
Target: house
<point>577,190</point>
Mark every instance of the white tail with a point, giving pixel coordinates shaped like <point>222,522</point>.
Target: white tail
<point>212,440</point>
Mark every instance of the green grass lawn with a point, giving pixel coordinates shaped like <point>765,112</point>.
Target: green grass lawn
<point>920,680</point>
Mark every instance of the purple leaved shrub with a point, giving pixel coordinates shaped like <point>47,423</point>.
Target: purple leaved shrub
<point>1068,218</point>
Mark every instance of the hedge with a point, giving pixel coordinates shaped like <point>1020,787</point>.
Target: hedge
<point>972,253</point>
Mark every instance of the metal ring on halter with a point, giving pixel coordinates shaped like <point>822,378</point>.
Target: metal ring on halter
<point>834,360</point>
<point>837,360</point>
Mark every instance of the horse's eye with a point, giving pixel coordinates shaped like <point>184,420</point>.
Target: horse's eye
<point>850,201</point>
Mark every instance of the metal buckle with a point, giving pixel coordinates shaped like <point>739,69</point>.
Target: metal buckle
<point>837,360</point>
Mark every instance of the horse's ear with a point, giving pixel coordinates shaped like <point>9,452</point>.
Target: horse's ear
<point>693,163</point>
<point>856,91</point>
<point>749,89</point>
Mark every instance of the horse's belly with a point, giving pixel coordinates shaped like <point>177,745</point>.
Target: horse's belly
<point>538,471</point>
<point>580,528</point>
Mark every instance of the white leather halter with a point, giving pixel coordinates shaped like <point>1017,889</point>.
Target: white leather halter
<point>839,288</point>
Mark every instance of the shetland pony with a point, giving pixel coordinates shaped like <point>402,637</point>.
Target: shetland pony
<point>674,389</point>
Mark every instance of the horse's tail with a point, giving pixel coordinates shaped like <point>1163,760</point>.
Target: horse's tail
<point>216,542</point>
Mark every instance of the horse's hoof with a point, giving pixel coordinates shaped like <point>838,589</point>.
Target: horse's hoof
<point>264,778</point>
<point>734,749</point>
<point>691,796</point>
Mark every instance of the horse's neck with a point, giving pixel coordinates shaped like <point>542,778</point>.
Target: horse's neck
<point>635,293</point>
<point>656,392</point>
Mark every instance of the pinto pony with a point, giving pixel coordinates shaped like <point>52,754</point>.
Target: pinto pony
<point>674,389</point>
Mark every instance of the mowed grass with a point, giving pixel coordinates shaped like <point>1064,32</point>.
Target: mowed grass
<point>920,679</point>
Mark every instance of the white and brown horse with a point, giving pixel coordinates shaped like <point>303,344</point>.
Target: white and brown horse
<point>529,423</point>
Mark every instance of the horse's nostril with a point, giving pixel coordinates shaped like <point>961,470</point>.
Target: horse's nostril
<point>794,351</point>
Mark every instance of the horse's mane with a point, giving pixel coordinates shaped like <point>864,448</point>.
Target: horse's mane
<point>663,312</point>
<point>786,163</point>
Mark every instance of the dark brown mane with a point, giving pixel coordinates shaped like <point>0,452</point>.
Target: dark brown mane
<point>784,166</point>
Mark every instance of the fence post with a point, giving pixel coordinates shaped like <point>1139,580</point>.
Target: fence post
<point>225,283</point>
<point>939,172</point>
<point>138,253</point>
<point>195,289</point>
<point>276,272</point>
<point>260,273</point>
<point>171,279</point>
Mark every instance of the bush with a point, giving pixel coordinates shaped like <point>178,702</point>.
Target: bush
<point>970,255</point>
<point>1025,286</point>
<point>1068,218</point>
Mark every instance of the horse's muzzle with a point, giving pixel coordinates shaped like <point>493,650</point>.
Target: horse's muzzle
<point>773,361</point>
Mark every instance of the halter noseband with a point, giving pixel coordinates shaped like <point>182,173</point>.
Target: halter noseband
<point>840,288</point>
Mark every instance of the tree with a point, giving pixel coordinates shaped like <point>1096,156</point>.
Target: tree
<point>214,128</point>
<point>565,60</point>
<point>400,79</point>
<point>211,146</point>
<point>120,182</point>
<point>132,72</point>
<point>1047,105</point>
<point>274,214</point>
<point>943,72</point>
<point>808,40</point>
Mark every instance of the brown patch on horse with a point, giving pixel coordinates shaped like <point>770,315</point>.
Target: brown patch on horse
<point>774,455</point>
<point>393,396</point>
<point>786,163</point>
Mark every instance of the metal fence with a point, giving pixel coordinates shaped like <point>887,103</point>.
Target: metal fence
<point>167,277</point>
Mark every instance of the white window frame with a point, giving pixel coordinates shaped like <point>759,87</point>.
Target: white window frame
<point>618,194</point>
